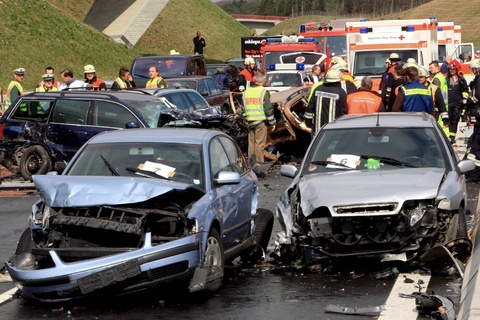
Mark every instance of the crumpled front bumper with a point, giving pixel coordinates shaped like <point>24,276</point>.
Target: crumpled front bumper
<point>113,274</point>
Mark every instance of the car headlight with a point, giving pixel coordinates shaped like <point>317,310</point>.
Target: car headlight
<point>416,215</point>
<point>445,204</point>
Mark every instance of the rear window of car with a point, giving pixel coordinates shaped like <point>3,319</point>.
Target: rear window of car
<point>167,67</point>
<point>150,111</point>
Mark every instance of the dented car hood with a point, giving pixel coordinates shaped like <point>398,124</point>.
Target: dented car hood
<point>360,187</point>
<point>72,191</point>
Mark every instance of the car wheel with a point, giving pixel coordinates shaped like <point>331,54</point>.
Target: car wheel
<point>35,160</point>
<point>457,227</point>
<point>25,244</point>
<point>263,227</point>
<point>262,234</point>
<point>214,260</point>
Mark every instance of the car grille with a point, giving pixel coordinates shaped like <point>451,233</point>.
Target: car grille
<point>371,208</point>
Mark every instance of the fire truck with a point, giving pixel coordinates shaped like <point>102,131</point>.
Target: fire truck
<point>291,49</point>
<point>370,43</point>
<point>330,36</point>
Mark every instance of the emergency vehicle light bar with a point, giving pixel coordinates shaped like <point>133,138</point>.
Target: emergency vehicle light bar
<point>387,29</point>
<point>286,66</point>
<point>290,39</point>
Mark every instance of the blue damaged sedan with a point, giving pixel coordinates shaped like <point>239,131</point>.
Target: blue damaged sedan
<point>137,209</point>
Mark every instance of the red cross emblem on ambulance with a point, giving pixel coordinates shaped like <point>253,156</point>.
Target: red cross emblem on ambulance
<point>300,59</point>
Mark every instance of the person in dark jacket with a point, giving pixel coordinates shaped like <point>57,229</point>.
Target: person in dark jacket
<point>328,102</point>
<point>221,77</point>
<point>399,79</point>
<point>457,97</point>
<point>198,43</point>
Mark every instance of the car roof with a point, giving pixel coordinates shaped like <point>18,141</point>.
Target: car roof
<point>125,95</point>
<point>190,77</point>
<point>383,119</point>
<point>156,91</point>
<point>176,56</point>
<point>175,135</point>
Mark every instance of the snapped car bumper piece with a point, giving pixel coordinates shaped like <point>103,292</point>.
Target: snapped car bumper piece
<point>127,271</point>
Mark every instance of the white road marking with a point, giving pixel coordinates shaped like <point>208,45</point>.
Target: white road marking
<point>403,308</point>
<point>7,296</point>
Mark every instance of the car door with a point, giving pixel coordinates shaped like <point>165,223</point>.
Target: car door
<point>234,201</point>
<point>108,115</point>
<point>215,93</point>
<point>27,121</point>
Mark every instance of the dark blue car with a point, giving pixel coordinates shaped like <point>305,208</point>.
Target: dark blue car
<point>40,129</point>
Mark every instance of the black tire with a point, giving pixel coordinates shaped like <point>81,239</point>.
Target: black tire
<point>25,244</point>
<point>457,227</point>
<point>462,231</point>
<point>263,231</point>
<point>263,227</point>
<point>214,259</point>
<point>35,160</point>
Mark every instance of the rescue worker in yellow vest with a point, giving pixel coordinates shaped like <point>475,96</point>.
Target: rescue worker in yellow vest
<point>47,84</point>
<point>124,80</point>
<point>15,88</point>
<point>258,111</point>
<point>155,80</point>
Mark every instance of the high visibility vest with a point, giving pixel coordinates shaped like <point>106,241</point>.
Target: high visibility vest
<point>443,86</point>
<point>417,97</point>
<point>122,84</point>
<point>253,101</point>
<point>42,89</point>
<point>12,84</point>
<point>154,83</point>
<point>363,101</point>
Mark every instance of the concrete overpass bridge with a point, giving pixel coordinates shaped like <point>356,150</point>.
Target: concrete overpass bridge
<point>259,23</point>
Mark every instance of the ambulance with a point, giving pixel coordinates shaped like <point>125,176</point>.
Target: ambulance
<point>446,39</point>
<point>330,36</point>
<point>370,43</point>
<point>290,49</point>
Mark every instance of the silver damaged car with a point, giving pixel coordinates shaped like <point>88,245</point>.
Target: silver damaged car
<point>137,209</point>
<point>386,186</point>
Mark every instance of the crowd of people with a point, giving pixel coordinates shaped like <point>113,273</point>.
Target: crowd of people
<point>404,87</point>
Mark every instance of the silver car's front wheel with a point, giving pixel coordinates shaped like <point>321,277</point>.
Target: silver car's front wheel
<point>214,261</point>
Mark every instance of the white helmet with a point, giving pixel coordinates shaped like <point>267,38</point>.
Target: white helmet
<point>333,75</point>
<point>89,69</point>
<point>423,72</point>
<point>338,62</point>
<point>475,64</point>
<point>248,61</point>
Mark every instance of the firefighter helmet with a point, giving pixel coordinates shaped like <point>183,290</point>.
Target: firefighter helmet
<point>394,56</point>
<point>338,62</point>
<point>454,64</point>
<point>89,69</point>
<point>423,72</point>
<point>248,61</point>
<point>475,64</point>
<point>333,75</point>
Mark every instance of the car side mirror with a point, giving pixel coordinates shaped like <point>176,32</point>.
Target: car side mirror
<point>227,177</point>
<point>204,93</point>
<point>288,170</point>
<point>131,125</point>
<point>466,165</point>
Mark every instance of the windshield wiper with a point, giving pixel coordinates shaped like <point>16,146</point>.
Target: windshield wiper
<point>145,173</point>
<point>110,167</point>
<point>326,162</point>
<point>387,160</point>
